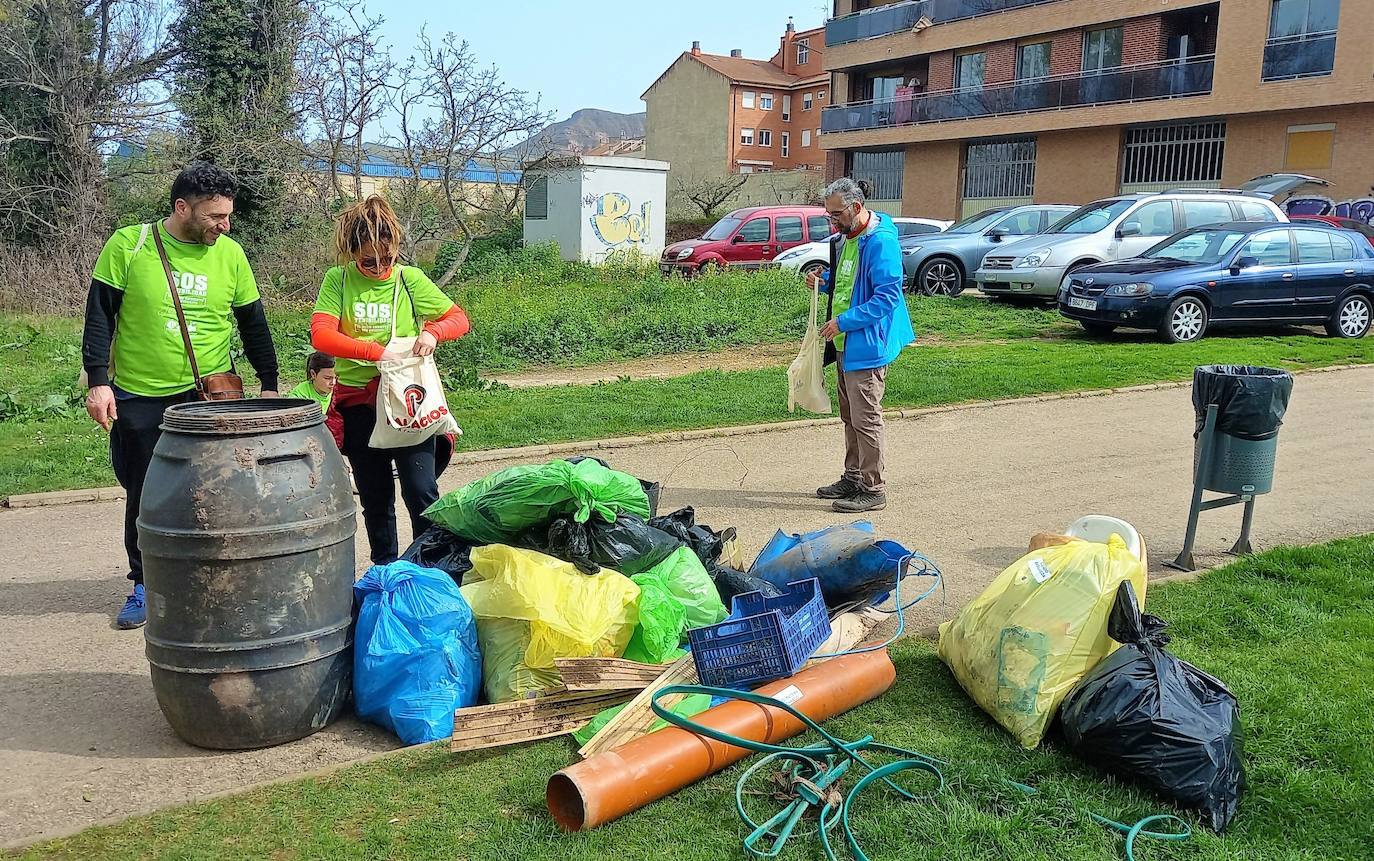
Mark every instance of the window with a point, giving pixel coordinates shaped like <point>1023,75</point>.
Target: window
<point>746,137</point>
<point>914,228</point>
<point>765,101</point>
<point>747,99</point>
<point>1341,249</point>
<point>1270,249</point>
<point>722,229</point>
<point>969,71</point>
<point>1198,246</point>
<point>1024,223</point>
<point>1252,211</point>
<point>820,94</point>
<point>1302,39</point>
<point>806,101</point>
<point>1197,213</point>
<point>787,229</point>
<point>803,52</point>
<point>1000,169</point>
<point>1091,218</point>
<point>818,226</point>
<point>537,199</point>
<point>1303,17</point>
<point>1176,154</point>
<point>785,144</point>
<point>765,137</point>
<point>806,137</point>
<point>882,169</point>
<point>1157,218</point>
<point>786,107</point>
<point>1033,61</point>
<point>1102,49</point>
<point>754,230</point>
<point>1309,147</point>
<point>1314,246</point>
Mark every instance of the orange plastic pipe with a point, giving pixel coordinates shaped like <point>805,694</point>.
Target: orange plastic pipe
<point>611,784</point>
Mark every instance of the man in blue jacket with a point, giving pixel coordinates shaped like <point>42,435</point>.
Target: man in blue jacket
<point>868,326</point>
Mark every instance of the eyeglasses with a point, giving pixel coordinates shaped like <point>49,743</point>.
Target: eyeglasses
<point>376,262</point>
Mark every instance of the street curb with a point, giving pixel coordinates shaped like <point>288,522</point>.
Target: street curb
<point>499,455</point>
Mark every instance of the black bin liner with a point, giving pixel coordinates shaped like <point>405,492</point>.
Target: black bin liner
<point>436,547</point>
<point>1145,715</point>
<point>1250,400</point>
<point>629,545</point>
<point>730,583</point>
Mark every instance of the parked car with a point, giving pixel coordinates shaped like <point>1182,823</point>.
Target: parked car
<point>1363,228</point>
<point>1227,274</point>
<point>747,239</point>
<point>815,256</point>
<point>1119,228</point>
<point>942,264</point>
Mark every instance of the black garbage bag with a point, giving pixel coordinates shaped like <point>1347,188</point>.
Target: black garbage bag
<point>629,545</point>
<point>730,583</point>
<point>1146,715</point>
<point>1250,400</point>
<point>652,489</point>
<point>705,543</point>
<point>436,547</point>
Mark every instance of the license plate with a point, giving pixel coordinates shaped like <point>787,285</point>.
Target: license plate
<point>1085,304</point>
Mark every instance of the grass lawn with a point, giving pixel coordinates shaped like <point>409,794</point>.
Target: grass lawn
<point>1290,631</point>
<point>56,447</point>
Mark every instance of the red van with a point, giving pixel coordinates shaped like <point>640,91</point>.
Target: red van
<point>747,239</point>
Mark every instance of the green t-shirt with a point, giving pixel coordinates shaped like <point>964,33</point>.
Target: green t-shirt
<point>365,308</point>
<point>846,268</point>
<point>306,390</point>
<point>212,280</point>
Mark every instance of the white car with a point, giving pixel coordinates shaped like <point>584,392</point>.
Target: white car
<point>815,256</point>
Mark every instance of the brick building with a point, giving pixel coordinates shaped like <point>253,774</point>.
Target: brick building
<point>950,106</point>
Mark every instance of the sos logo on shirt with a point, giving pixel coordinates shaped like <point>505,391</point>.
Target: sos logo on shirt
<point>372,316</point>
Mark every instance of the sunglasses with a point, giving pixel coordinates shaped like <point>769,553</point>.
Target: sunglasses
<point>376,262</point>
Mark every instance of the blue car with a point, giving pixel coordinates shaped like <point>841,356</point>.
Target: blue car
<point>1243,273</point>
<point>942,264</point>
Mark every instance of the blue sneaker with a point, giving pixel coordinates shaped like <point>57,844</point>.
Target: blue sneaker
<point>135,611</point>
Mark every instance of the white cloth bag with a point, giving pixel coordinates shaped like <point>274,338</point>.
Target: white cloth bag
<point>410,396</point>
<point>806,374</point>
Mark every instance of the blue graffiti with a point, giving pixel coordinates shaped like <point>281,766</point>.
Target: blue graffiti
<point>1357,208</point>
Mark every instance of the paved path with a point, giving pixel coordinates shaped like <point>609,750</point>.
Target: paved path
<point>81,737</point>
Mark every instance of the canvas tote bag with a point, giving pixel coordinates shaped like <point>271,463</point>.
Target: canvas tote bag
<point>805,376</point>
<point>410,397</point>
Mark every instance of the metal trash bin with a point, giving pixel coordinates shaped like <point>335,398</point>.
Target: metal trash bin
<point>1238,465</point>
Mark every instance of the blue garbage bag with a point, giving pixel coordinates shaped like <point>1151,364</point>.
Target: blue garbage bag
<point>853,566</point>
<point>415,656</point>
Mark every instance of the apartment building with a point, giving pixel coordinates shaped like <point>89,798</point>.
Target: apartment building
<point>710,115</point>
<point>951,106</point>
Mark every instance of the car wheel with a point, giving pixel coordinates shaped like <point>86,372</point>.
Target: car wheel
<point>940,277</point>
<point>1352,319</point>
<point>1185,321</point>
<point>816,268</point>
<point>708,267</point>
<point>1100,330</point>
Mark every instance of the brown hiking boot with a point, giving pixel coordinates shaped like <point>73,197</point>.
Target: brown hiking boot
<point>864,500</point>
<point>842,489</point>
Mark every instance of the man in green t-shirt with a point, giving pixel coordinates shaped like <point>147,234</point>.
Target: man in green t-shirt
<point>132,347</point>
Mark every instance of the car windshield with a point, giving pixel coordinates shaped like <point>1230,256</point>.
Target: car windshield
<point>975,223</point>
<point>1209,245</point>
<point>1091,218</point>
<point>721,229</point>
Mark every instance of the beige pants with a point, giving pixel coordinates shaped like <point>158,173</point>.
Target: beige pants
<point>861,410</point>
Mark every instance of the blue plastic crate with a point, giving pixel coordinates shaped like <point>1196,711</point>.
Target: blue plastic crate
<point>765,638</point>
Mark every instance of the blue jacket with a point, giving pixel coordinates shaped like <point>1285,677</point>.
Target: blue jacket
<point>876,325</point>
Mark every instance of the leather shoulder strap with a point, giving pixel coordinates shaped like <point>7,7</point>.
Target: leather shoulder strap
<point>176,303</point>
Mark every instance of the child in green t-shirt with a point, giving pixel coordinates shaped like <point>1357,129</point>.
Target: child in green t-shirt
<point>320,379</point>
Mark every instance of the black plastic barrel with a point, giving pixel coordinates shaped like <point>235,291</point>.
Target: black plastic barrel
<point>246,528</point>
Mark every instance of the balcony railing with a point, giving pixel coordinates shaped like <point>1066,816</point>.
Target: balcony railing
<point>1302,56</point>
<point>1122,84</point>
<point>898,17</point>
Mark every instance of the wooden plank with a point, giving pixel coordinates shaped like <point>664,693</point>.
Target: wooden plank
<point>635,719</point>
<point>606,674</point>
<point>546,716</point>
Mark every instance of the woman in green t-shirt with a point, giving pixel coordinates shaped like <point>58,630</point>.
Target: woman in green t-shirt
<point>363,302</point>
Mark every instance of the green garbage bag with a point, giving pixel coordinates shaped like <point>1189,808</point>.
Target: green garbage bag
<point>497,508</point>
<point>689,707</point>
<point>662,621</point>
<point>686,580</point>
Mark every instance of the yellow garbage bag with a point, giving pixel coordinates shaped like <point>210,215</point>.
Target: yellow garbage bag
<point>532,608</point>
<point>1022,645</point>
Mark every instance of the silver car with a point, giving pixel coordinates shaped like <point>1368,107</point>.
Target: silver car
<point>941,264</point>
<point>1119,228</point>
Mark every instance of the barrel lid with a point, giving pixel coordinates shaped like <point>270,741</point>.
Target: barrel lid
<point>242,417</point>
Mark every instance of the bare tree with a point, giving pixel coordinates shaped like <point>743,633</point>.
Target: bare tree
<point>708,193</point>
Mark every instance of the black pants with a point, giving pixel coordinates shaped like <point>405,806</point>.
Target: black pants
<point>376,489</point>
<point>132,439</point>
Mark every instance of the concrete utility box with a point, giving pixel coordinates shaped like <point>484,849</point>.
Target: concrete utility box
<point>593,206</point>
